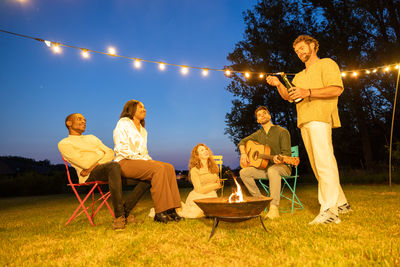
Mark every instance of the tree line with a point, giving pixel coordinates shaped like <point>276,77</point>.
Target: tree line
<point>357,35</point>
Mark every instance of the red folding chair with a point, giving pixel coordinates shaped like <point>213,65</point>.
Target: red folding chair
<point>94,185</point>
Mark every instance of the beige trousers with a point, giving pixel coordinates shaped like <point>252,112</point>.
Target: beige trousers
<point>164,189</point>
<point>273,173</point>
<point>317,138</point>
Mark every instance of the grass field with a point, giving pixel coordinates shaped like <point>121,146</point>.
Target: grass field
<point>32,233</point>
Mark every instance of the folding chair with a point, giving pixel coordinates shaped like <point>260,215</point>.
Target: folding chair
<point>294,199</point>
<point>219,162</point>
<point>94,185</point>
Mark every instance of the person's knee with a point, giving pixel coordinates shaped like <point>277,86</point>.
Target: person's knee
<point>244,173</point>
<point>158,167</point>
<point>273,173</point>
<point>114,167</point>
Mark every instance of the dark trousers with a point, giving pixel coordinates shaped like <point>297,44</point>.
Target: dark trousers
<point>111,172</point>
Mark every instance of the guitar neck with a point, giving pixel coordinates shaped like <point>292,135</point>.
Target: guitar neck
<point>265,156</point>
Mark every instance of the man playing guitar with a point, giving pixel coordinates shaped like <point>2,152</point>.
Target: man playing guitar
<point>278,141</point>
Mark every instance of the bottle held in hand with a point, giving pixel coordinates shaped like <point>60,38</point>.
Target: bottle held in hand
<point>289,86</point>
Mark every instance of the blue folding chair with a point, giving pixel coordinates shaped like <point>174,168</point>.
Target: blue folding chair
<point>296,203</point>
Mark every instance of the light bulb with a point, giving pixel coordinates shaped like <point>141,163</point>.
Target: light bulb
<point>137,63</point>
<point>112,51</point>
<point>184,70</point>
<point>161,66</point>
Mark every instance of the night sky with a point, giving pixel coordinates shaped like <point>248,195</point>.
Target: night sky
<point>39,88</point>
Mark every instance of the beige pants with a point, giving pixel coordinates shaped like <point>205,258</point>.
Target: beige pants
<point>317,138</point>
<point>273,173</point>
<point>164,189</point>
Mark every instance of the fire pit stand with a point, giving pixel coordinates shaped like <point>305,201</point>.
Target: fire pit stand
<point>233,219</point>
<point>221,209</point>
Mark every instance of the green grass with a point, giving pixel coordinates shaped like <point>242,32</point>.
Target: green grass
<point>32,233</point>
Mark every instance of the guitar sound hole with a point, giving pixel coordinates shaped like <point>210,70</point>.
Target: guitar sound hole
<point>255,155</point>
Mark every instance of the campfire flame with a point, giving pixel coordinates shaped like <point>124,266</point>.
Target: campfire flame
<point>237,195</point>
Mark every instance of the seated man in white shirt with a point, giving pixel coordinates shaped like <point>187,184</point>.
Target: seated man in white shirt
<point>92,161</point>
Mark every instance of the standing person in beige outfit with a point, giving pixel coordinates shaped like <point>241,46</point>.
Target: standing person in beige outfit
<point>319,85</point>
<point>130,138</point>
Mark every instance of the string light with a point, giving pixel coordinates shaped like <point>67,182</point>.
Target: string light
<point>56,47</point>
<point>161,66</point>
<point>137,63</point>
<point>112,51</point>
<point>184,70</point>
<point>85,53</point>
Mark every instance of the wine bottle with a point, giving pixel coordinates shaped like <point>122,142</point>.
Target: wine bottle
<point>289,86</point>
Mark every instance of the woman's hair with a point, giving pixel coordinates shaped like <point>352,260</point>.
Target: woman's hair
<point>129,110</point>
<point>196,162</point>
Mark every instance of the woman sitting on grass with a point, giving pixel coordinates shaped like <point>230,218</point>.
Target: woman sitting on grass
<point>203,173</point>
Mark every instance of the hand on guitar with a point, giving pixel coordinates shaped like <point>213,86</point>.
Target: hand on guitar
<point>278,159</point>
<point>244,160</point>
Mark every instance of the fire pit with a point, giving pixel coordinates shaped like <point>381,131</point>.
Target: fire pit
<point>221,209</point>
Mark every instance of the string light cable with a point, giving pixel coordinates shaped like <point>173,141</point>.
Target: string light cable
<point>137,61</point>
<point>85,52</point>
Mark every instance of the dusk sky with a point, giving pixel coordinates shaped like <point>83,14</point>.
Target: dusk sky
<point>40,88</point>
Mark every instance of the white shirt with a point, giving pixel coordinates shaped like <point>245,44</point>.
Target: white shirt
<point>129,142</point>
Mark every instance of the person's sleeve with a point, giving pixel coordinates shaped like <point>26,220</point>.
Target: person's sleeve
<point>147,157</point>
<point>121,141</point>
<point>254,136</point>
<point>108,152</point>
<point>202,189</point>
<point>73,156</point>
<point>331,75</point>
<point>285,143</point>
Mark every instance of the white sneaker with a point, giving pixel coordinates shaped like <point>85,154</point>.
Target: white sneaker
<point>345,208</point>
<point>273,212</point>
<point>326,217</point>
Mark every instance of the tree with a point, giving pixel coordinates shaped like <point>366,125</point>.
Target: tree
<point>353,33</point>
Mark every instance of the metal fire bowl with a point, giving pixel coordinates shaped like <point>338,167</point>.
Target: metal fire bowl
<point>234,212</point>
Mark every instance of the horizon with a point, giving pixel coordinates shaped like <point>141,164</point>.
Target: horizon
<point>40,88</point>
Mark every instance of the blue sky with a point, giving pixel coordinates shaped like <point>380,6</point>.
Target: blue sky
<point>39,88</point>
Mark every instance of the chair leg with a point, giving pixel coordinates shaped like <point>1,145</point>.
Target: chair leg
<point>294,196</point>
<point>264,186</point>
<point>105,197</point>
<point>82,206</point>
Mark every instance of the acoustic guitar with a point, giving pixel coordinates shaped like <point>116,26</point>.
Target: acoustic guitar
<point>259,155</point>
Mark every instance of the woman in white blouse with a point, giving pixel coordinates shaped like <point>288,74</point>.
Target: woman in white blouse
<point>130,139</point>
<point>204,177</point>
